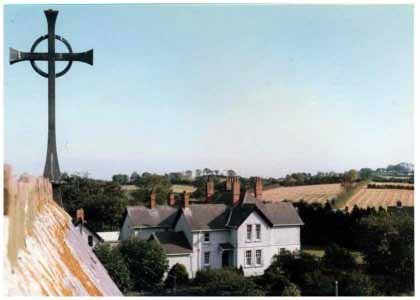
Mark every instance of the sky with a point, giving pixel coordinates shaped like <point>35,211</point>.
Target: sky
<point>265,90</point>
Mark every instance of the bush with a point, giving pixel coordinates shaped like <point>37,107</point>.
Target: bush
<point>224,282</point>
<point>114,263</point>
<point>356,284</point>
<point>177,275</point>
<point>291,290</point>
<point>146,261</point>
<point>338,258</point>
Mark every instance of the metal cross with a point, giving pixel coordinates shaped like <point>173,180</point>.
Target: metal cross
<point>52,168</point>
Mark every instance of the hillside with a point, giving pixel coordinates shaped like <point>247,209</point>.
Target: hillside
<point>44,253</point>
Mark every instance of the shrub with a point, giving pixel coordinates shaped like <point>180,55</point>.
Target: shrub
<point>291,290</point>
<point>225,282</point>
<point>146,261</point>
<point>114,263</point>
<point>338,258</point>
<point>177,275</point>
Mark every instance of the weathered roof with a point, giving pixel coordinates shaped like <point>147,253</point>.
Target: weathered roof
<point>84,224</point>
<point>207,216</point>
<point>160,216</point>
<point>172,242</point>
<point>275,214</point>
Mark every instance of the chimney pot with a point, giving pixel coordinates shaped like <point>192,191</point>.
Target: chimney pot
<point>80,215</point>
<point>185,199</point>
<point>152,199</point>
<point>209,189</point>
<point>258,188</point>
<point>171,199</point>
<point>236,191</point>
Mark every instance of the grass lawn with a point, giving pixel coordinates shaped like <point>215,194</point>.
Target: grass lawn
<point>320,251</point>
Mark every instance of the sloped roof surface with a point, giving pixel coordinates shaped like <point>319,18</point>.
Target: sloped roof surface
<point>173,242</point>
<point>207,216</point>
<point>279,213</point>
<point>160,216</point>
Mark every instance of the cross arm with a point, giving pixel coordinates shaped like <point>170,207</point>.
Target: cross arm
<point>18,56</point>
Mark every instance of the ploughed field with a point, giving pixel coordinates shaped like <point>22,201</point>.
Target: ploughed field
<point>363,198</point>
<point>309,193</point>
<point>381,197</point>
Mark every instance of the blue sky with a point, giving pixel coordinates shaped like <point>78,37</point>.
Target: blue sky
<point>265,90</point>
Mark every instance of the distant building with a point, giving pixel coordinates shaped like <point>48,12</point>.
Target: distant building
<point>110,237</point>
<point>235,230</point>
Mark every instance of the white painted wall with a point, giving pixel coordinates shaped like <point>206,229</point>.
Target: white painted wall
<point>184,259</point>
<point>272,240</point>
<point>125,231</point>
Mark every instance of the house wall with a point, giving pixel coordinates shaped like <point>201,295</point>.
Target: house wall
<point>183,259</point>
<point>272,240</point>
<point>200,247</point>
<point>125,231</point>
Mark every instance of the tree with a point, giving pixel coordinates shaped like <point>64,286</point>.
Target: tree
<point>114,263</point>
<point>356,284</point>
<point>134,177</point>
<point>120,178</point>
<point>197,173</point>
<point>351,176</point>
<point>338,258</point>
<point>387,242</point>
<point>148,182</point>
<point>225,282</point>
<point>177,276</point>
<point>104,202</point>
<point>231,173</point>
<point>146,261</point>
<point>365,173</point>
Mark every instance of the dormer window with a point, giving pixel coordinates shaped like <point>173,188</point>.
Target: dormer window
<point>207,237</point>
<point>258,232</point>
<point>249,232</point>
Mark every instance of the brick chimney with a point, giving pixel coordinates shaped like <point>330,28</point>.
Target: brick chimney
<point>258,188</point>
<point>229,181</point>
<point>185,199</point>
<point>236,190</point>
<point>209,189</point>
<point>171,199</point>
<point>80,215</point>
<point>152,199</point>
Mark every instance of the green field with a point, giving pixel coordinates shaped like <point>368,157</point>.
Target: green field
<point>320,251</point>
<point>180,188</point>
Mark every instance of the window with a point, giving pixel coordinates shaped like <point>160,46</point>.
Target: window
<point>207,237</point>
<point>258,231</point>
<point>248,257</point>
<point>206,258</point>
<point>248,232</point>
<point>258,257</point>
<point>90,240</point>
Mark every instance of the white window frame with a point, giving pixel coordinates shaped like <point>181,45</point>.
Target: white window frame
<point>258,238</point>
<point>249,236</point>
<point>261,257</point>
<point>204,239</point>
<point>208,262</point>
<point>246,258</point>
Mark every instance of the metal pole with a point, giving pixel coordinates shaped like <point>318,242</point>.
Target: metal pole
<point>336,288</point>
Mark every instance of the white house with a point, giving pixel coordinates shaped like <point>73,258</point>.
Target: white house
<point>235,230</point>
